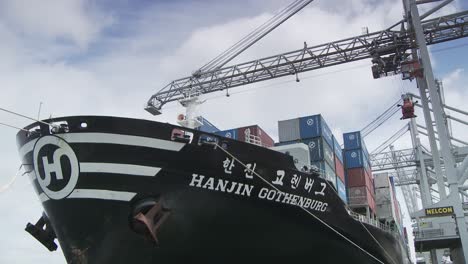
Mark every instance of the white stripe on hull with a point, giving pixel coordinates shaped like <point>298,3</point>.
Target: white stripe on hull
<point>101,194</point>
<point>95,194</point>
<point>43,197</point>
<point>131,169</point>
<point>108,138</point>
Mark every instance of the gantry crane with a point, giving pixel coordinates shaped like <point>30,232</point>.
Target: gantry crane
<point>392,51</point>
<point>387,49</point>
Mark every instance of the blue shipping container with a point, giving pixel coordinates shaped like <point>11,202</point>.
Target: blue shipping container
<point>315,126</point>
<point>352,140</point>
<point>337,149</point>
<point>319,150</point>
<point>326,172</point>
<point>231,133</point>
<point>206,126</point>
<point>355,158</point>
<point>341,190</point>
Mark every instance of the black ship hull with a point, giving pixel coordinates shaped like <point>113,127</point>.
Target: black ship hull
<point>100,179</point>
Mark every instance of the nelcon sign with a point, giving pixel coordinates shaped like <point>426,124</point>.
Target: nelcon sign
<point>439,211</point>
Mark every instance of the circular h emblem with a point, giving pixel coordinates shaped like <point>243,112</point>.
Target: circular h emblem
<point>56,167</point>
<point>310,122</point>
<point>353,154</point>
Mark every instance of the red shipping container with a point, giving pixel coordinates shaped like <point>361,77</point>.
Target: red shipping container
<point>356,177</point>
<point>255,135</point>
<point>361,196</point>
<point>339,169</point>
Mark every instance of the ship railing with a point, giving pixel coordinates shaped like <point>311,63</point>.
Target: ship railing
<point>371,221</point>
<point>252,139</point>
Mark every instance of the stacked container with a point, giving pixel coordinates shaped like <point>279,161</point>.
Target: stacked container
<point>250,134</point>
<point>358,172</point>
<point>206,126</point>
<point>339,169</point>
<point>387,207</point>
<point>314,132</point>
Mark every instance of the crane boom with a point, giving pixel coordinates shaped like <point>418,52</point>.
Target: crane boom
<point>373,45</point>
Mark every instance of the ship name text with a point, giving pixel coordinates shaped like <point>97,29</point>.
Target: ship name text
<point>242,189</point>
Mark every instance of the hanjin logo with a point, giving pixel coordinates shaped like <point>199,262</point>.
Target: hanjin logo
<point>310,122</point>
<point>351,137</point>
<point>312,145</point>
<point>353,154</point>
<point>56,167</point>
<point>228,135</point>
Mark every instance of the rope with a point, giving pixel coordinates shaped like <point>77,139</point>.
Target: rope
<point>27,117</point>
<point>8,185</point>
<point>19,128</point>
<point>307,211</point>
<point>349,209</point>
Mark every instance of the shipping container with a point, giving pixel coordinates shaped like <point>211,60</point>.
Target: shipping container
<point>231,133</point>
<point>339,169</point>
<point>326,172</point>
<point>206,126</point>
<point>341,190</point>
<point>371,180</point>
<point>352,140</point>
<point>384,211</point>
<point>255,135</point>
<point>320,150</point>
<point>360,196</point>
<point>315,126</point>
<point>299,151</point>
<point>357,177</point>
<point>383,196</point>
<point>381,180</point>
<point>288,130</point>
<point>355,159</point>
<point>337,149</point>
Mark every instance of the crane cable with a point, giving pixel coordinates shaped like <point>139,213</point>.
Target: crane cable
<point>380,119</point>
<point>304,209</point>
<point>254,36</point>
<point>218,61</point>
<point>390,140</point>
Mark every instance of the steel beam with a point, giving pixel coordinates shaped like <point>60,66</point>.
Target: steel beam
<point>441,128</point>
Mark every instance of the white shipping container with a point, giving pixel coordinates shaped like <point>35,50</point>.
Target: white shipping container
<point>384,211</point>
<point>382,196</point>
<point>299,152</point>
<point>381,180</point>
<point>288,130</point>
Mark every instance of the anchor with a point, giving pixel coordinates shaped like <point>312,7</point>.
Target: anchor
<point>43,232</point>
<point>148,223</point>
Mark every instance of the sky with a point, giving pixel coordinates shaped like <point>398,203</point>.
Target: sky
<point>83,57</point>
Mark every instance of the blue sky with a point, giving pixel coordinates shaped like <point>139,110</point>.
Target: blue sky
<point>108,57</point>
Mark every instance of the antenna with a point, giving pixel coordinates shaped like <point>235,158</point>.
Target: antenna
<point>39,111</point>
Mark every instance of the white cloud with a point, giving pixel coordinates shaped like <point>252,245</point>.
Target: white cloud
<point>119,80</point>
<point>68,20</point>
